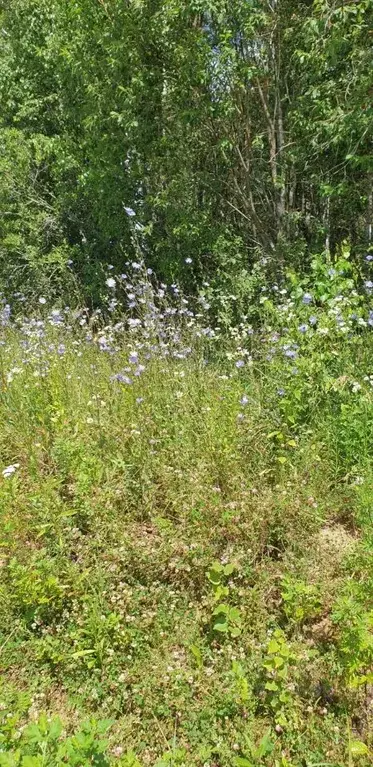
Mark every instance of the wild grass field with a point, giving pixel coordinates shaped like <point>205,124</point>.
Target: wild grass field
<point>186,531</point>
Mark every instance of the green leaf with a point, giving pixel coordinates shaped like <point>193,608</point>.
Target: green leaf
<point>358,748</point>
<point>32,761</point>
<point>55,728</point>
<point>284,697</point>
<point>33,734</point>
<point>221,591</point>
<point>241,761</point>
<point>221,609</point>
<point>278,661</point>
<point>235,615</point>
<point>273,647</point>
<point>196,652</point>
<point>229,569</point>
<point>130,760</point>
<point>271,686</point>
<point>221,626</point>
<point>266,746</point>
<point>214,577</point>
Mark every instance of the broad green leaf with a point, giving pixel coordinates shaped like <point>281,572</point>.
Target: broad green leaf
<point>221,626</point>
<point>358,748</point>
<point>266,746</point>
<point>221,609</point>
<point>235,615</point>
<point>229,569</point>
<point>273,647</point>
<point>271,686</point>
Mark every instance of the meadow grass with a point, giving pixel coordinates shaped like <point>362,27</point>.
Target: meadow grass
<point>186,573</point>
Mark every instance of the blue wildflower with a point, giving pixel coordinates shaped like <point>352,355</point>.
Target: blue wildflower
<point>55,317</point>
<point>303,328</point>
<point>244,400</point>
<point>240,364</point>
<point>307,298</point>
<point>121,378</point>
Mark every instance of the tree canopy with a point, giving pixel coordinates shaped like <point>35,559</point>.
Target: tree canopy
<point>236,132</point>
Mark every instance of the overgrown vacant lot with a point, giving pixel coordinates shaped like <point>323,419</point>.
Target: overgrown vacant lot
<point>186,540</point>
<point>186,383</point>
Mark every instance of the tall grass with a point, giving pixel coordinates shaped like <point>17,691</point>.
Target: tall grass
<point>142,457</point>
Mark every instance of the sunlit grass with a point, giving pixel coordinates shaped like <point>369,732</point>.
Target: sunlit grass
<point>123,492</point>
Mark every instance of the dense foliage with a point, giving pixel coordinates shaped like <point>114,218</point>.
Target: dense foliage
<point>236,132</point>
<point>186,529</point>
<point>186,383</point>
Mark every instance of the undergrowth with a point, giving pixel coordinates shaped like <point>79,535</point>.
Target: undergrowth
<point>186,530</point>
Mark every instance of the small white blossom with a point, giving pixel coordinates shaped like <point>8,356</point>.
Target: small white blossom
<point>10,470</point>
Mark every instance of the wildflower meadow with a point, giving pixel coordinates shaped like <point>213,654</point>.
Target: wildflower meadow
<point>186,540</point>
